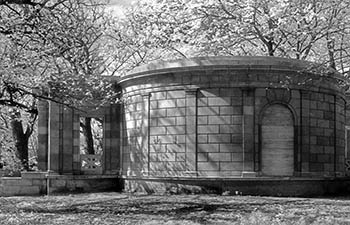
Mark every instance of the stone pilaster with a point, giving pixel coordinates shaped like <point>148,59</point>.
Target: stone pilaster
<point>107,141</point>
<point>76,143</point>
<point>43,107</point>
<point>144,129</point>
<point>66,149</point>
<point>54,137</point>
<point>191,131</point>
<point>248,131</point>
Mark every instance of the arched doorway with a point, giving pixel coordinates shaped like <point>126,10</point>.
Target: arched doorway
<point>277,141</point>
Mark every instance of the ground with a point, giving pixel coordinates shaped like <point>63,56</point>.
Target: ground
<point>119,208</point>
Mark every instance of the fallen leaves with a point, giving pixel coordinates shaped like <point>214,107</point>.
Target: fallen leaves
<point>120,208</point>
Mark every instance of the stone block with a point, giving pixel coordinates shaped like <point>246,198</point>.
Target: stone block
<point>180,139</point>
<point>153,105</point>
<point>328,132</point>
<point>58,182</point>
<point>166,104</point>
<point>176,94</point>
<point>39,182</point>
<point>202,157</point>
<point>222,157</point>
<point>313,104</point>
<point>328,98</point>
<point>180,102</point>
<point>230,129</point>
<point>180,157</point>
<point>236,138</point>
<point>201,120</point>
<point>208,111</point>
<point>11,181</point>
<point>238,156</point>
<point>219,138</point>
<point>141,106</point>
<point>316,113</point>
<point>328,167</point>
<point>230,110</point>
<point>191,111</point>
<point>217,101</point>
<point>208,129</point>
<point>189,79</point>
<point>159,95</point>
<point>76,157</point>
<point>167,121</point>
<point>231,166</point>
<point>158,113</point>
<point>316,167</point>
<point>236,101</point>
<point>208,147</point>
<point>42,130</point>
<point>166,157</point>
<point>323,141</point>
<point>210,92</point>
<point>202,102</point>
<point>312,140</point>
<point>230,92</point>
<point>296,94</point>
<point>180,121</point>
<point>248,110</point>
<point>191,127</point>
<point>176,130</point>
<point>191,102</point>
<point>316,149</point>
<point>157,147</point>
<point>324,158</point>
<point>238,120</point>
<point>208,166</point>
<point>33,175</point>
<point>230,148</point>
<point>248,101</point>
<point>324,106</point>
<point>202,138</point>
<point>175,148</point>
<point>219,119</point>
<point>260,92</point>
<point>323,123</point>
<point>313,122</point>
<point>315,131</point>
<point>191,161</point>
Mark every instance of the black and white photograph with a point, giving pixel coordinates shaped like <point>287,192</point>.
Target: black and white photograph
<point>175,112</point>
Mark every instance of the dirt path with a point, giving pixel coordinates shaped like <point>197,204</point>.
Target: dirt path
<point>116,208</point>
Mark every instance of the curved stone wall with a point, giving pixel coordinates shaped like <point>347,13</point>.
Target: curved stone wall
<point>223,117</point>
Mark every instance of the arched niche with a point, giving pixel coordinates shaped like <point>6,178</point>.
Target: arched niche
<point>277,141</point>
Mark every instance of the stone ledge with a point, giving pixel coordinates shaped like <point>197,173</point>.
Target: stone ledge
<point>221,63</point>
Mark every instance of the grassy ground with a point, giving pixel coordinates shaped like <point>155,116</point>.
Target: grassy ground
<point>116,208</point>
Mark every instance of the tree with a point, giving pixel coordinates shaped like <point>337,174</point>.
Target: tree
<point>314,30</point>
<point>51,51</point>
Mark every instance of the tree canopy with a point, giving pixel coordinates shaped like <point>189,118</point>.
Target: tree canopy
<point>52,46</point>
<point>315,30</point>
<point>50,49</point>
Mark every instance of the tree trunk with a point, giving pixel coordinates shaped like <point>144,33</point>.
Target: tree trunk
<point>330,47</point>
<point>87,131</point>
<point>21,140</point>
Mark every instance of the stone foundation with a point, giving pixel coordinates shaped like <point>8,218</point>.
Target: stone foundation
<point>296,187</point>
<point>35,183</point>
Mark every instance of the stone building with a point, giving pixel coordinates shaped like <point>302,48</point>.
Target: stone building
<point>257,125</point>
